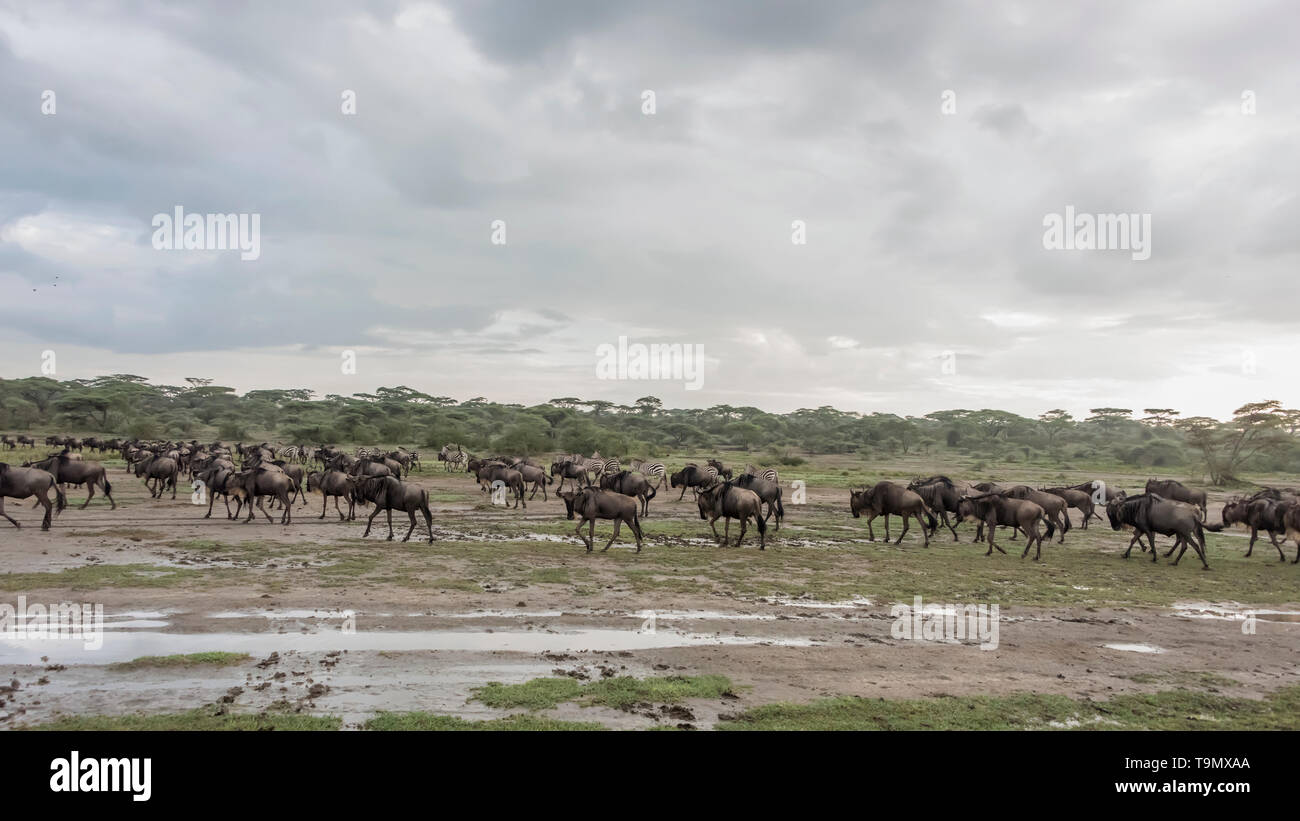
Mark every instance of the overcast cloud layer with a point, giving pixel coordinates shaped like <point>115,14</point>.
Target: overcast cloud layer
<point>924,251</point>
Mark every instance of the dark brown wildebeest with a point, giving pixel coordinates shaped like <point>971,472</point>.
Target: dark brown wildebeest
<point>334,483</point>
<point>1077,499</point>
<point>9,442</point>
<point>1178,492</point>
<point>1260,514</point>
<point>1055,509</point>
<point>887,498</point>
<point>723,470</point>
<point>19,483</point>
<point>591,504</point>
<point>994,509</point>
<point>215,478</point>
<point>1291,519</point>
<point>768,491</point>
<point>77,472</point>
<point>692,476</point>
<point>389,493</point>
<point>1149,513</point>
<point>728,501</point>
<point>569,469</point>
<point>942,496</point>
<point>510,479</point>
<point>25,440</point>
<point>1099,492</point>
<point>536,476</point>
<point>630,484</point>
<point>163,471</point>
<point>253,484</point>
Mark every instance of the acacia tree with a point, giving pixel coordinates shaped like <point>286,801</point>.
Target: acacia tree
<point>1227,446</point>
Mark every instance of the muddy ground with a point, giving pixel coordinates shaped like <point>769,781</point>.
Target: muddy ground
<point>339,625</point>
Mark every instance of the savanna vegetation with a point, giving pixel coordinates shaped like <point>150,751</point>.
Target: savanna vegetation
<point>1261,437</point>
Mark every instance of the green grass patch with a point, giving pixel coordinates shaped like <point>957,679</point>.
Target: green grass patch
<point>216,659</point>
<point>620,692</point>
<point>431,721</point>
<point>1167,710</point>
<point>201,718</point>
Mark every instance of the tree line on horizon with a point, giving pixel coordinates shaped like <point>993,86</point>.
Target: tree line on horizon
<point>1261,436</point>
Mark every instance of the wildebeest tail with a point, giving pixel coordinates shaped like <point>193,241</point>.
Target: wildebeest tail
<point>1213,528</point>
<point>108,488</point>
<point>780,508</point>
<point>762,525</point>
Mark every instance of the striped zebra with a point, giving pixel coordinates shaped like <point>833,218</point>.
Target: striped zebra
<point>594,465</point>
<point>654,471</point>
<point>768,474</point>
<point>611,466</point>
<point>291,453</point>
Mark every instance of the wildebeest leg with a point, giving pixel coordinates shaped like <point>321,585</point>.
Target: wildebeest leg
<point>714,528</point>
<point>886,515</point>
<point>871,534</point>
<point>617,523</point>
<point>325,504</point>
<point>410,513</point>
<point>262,507</point>
<point>591,535</point>
<point>212,500</point>
<point>390,525</point>
<point>948,524</point>
<point>286,518</point>
<point>1131,542</point>
<point>744,525</point>
<point>1281,557</point>
<point>726,531</point>
<point>636,530</point>
<point>1254,534</point>
<point>428,518</point>
<point>11,519</point>
<point>904,533</point>
<point>993,544</point>
<point>1177,539</point>
<point>370,521</point>
<point>921,524</point>
<point>44,499</point>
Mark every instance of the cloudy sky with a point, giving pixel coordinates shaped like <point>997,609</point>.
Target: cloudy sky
<point>921,144</point>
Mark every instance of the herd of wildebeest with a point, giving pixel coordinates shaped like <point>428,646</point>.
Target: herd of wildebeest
<point>604,489</point>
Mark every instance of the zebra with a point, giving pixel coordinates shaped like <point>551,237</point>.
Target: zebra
<point>611,466</point>
<point>655,471</point>
<point>768,474</point>
<point>291,453</point>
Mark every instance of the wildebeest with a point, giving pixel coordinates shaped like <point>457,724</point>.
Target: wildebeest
<point>334,483</point>
<point>591,504</point>
<point>1078,499</point>
<point>768,491</point>
<point>568,469</point>
<point>8,442</point>
<point>994,509</point>
<point>388,494</point>
<point>215,478</point>
<point>252,484</point>
<point>1099,492</point>
<point>728,501</point>
<point>77,472</point>
<point>942,496</point>
<point>535,476</point>
<point>886,498</point>
<point>1178,492</point>
<point>723,470</point>
<point>162,471</point>
<point>25,440</point>
<point>1149,513</point>
<point>1258,514</point>
<point>489,474</point>
<point>19,483</point>
<point>630,484</point>
<point>692,476</point>
<point>1291,518</point>
<point>1055,509</point>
